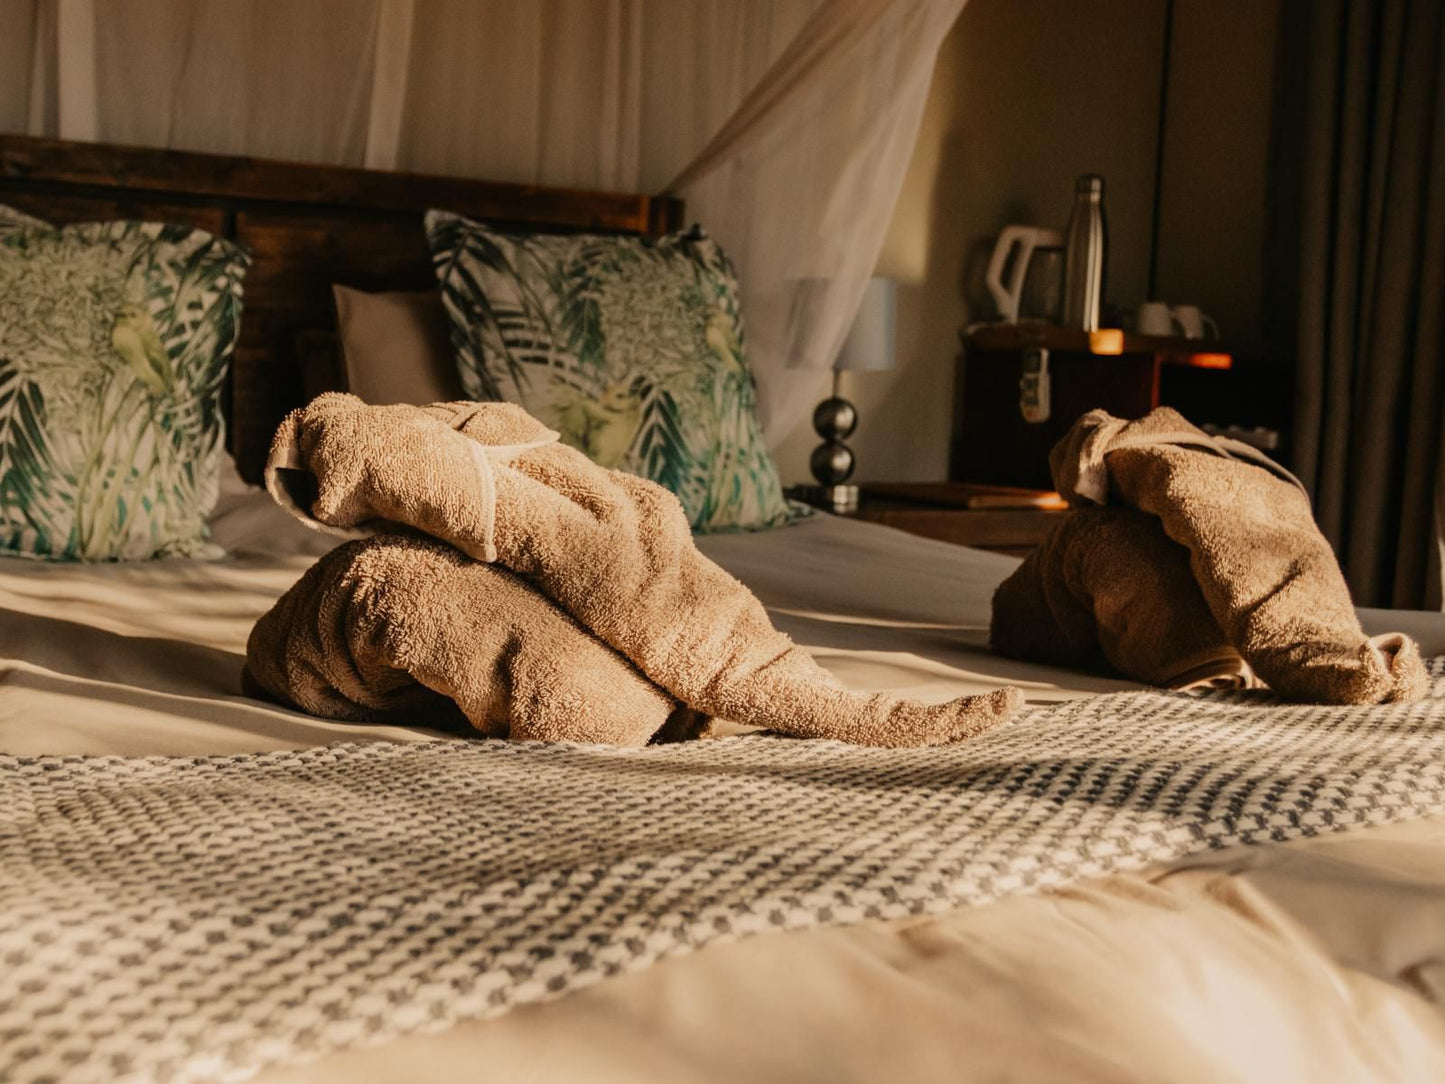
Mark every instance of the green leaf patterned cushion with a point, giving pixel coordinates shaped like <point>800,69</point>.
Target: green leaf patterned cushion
<point>114,343</point>
<point>631,348</point>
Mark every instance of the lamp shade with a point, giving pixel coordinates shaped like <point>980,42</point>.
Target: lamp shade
<point>870,340</point>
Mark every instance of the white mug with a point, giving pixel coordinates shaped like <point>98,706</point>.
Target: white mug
<point>1155,318</point>
<point>1192,322</point>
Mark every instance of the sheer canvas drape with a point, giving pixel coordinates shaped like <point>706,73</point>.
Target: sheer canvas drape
<point>785,124</point>
<point>613,94</point>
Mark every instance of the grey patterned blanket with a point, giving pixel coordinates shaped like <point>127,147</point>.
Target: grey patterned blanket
<point>204,918</point>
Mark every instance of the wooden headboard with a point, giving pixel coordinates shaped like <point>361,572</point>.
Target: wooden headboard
<point>307,226</point>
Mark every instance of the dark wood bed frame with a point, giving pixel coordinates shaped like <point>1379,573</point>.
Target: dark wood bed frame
<point>307,226</point>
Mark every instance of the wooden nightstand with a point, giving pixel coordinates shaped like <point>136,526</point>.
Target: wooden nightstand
<point>997,518</point>
<point>1128,375</point>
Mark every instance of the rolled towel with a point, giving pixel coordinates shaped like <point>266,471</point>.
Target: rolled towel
<point>613,550</point>
<point>1107,589</point>
<point>1264,571</point>
<point>404,629</point>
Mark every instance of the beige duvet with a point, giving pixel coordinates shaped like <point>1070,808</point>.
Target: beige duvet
<point>1317,960</point>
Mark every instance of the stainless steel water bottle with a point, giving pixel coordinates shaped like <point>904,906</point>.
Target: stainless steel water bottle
<point>1085,242</point>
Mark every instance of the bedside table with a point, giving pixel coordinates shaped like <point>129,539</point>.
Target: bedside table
<point>1002,519</point>
<point>1128,375</point>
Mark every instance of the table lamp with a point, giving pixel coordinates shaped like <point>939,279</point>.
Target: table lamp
<point>869,347</point>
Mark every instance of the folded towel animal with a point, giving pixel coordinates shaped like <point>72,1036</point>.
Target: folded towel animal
<point>404,629</point>
<point>1108,589</point>
<point>1187,556</point>
<point>611,550</point>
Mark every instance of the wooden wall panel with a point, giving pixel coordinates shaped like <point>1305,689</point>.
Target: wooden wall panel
<point>225,180</point>
<point>64,209</point>
<point>296,257</point>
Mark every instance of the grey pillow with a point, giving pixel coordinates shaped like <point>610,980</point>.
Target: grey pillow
<point>396,347</point>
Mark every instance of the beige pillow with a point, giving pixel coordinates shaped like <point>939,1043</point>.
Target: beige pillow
<point>396,347</point>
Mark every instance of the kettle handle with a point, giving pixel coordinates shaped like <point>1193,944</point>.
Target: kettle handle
<point>1026,238</point>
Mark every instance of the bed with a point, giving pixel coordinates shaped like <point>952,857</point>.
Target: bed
<point>1308,953</point>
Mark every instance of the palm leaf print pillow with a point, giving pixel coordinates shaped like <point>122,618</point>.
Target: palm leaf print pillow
<point>114,343</point>
<point>631,348</point>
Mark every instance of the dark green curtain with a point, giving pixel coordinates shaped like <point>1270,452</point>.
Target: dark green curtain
<point>1358,259</point>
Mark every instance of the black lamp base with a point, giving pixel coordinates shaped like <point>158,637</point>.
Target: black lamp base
<point>839,499</point>
<point>832,462</point>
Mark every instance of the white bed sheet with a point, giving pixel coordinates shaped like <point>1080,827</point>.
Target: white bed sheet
<point>145,658</point>
<point>1320,959</point>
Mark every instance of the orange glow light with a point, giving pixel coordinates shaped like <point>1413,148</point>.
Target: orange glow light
<point>1211,361</point>
<point>1108,340</point>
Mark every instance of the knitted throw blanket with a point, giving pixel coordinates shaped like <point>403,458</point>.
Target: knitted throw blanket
<point>205,918</point>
